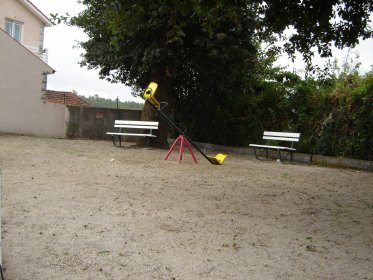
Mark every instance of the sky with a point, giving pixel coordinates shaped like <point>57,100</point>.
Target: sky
<point>64,57</point>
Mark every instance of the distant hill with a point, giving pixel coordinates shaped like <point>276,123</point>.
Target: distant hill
<point>97,101</point>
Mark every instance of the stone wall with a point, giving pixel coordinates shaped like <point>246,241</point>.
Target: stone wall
<point>93,123</point>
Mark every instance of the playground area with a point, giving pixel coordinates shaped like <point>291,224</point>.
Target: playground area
<point>84,209</point>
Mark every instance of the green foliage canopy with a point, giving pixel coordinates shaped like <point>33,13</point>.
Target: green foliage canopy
<point>135,41</point>
<point>317,23</point>
<point>170,42</point>
<point>101,102</point>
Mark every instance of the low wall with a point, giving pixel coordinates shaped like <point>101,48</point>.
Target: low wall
<point>297,157</point>
<point>93,123</point>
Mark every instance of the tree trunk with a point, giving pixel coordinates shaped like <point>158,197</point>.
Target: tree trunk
<point>150,114</point>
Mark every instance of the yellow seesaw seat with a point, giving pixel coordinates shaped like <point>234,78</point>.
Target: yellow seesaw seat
<point>218,159</point>
<point>149,94</point>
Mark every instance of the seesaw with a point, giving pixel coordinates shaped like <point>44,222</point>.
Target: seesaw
<point>149,95</point>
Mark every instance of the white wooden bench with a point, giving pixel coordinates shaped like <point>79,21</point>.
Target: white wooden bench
<point>128,128</point>
<point>278,137</point>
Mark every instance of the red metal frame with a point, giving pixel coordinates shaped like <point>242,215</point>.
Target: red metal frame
<point>183,141</point>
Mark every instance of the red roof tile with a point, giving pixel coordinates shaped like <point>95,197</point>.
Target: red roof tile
<point>64,97</point>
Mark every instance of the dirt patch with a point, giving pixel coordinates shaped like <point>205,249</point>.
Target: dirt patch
<point>82,209</point>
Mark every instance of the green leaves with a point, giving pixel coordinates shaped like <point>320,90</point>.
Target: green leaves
<point>175,35</point>
<point>57,19</point>
<point>318,23</point>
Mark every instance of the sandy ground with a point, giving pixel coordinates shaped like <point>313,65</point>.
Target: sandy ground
<point>71,212</point>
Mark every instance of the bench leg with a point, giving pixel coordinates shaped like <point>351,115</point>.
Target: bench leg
<point>279,155</point>
<point>256,154</point>
<point>147,142</point>
<point>119,140</point>
<point>116,139</point>
<point>266,153</point>
<point>291,156</point>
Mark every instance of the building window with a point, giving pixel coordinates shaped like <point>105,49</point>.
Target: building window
<point>14,29</point>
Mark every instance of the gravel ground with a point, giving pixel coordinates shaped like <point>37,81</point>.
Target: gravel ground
<point>84,209</point>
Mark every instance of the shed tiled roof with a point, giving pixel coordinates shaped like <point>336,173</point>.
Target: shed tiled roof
<point>64,97</point>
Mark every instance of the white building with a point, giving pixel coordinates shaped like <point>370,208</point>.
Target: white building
<point>25,23</point>
<point>24,71</point>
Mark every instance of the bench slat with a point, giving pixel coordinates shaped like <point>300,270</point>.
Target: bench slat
<point>136,126</point>
<point>281,138</point>
<point>272,147</point>
<point>130,134</point>
<point>281,134</point>
<point>124,122</point>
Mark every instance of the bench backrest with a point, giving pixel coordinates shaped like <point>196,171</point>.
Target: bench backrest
<point>281,136</point>
<point>136,124</point>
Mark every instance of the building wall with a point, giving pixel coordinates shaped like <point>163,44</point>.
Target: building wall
<point>31,29</point>
<point>21,82</point>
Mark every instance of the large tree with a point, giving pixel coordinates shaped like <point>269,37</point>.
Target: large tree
<point>201,52</point>
<point>191,48</point>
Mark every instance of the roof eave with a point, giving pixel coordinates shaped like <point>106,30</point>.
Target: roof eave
<point>33,9</point>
